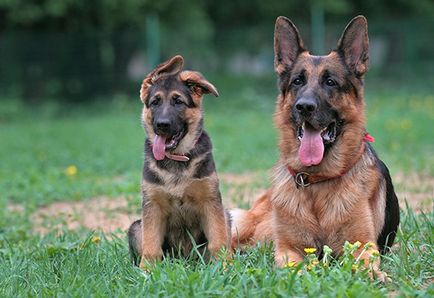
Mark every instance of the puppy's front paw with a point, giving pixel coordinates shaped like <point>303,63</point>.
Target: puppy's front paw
<point>147,261</point>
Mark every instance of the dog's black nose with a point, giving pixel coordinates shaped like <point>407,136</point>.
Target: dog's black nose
<point>306,106</point>
<point>163,126</point>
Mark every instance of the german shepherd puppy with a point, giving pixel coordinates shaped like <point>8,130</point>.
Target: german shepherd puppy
<point>181,198</point>
<point>328,185</point>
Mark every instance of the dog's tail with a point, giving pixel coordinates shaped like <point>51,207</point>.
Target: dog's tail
<point>237,219</point>
<point>135,241</point>
<point>249,226</point>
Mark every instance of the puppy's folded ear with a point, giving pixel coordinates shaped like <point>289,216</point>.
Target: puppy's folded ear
<point>197,83</point>
<point>170,67</point>
<point>353,46</point>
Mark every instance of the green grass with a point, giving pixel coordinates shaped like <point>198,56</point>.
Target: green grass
<point>104,141</point>
<point>81,265</point>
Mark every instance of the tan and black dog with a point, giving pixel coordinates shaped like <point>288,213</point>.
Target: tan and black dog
<point>181,198</point>
<point>328,185</point>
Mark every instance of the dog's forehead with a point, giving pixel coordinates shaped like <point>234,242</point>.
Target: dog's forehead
<point>318,64</point>
<point>167,85</point>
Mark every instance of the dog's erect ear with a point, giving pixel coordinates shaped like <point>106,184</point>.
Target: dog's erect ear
<point>170,67</point>
<point>197,83</point>
<point>287,45</point>
<point>353,46</point>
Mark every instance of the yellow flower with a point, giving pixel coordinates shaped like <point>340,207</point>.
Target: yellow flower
<point>370,244</point>
<point>289,264</point>
<point>310,250</point>
<point>355,267</point>
<point>71,170</point>
<point>375,253</point>
<point>357,244</point>
<point>95,239</point>
<point>314,262</point>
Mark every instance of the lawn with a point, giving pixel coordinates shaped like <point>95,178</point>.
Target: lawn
<point>80,155</point>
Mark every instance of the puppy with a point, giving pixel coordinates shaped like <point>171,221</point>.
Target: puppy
<point>182,204</point>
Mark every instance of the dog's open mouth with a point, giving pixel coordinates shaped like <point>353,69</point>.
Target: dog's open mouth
<point>162,144</point>
<point>312,141</point>
<point>328,133</point>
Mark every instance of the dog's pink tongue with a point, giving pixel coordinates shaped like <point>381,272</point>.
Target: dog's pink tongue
<point>312,148</point>
<point>159,147</point>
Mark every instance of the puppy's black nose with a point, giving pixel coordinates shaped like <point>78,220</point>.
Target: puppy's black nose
<point>163,126</point>
<point>306,106</point>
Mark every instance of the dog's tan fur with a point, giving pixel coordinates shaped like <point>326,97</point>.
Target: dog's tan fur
<point>181,199</point>
<point>348,207</point>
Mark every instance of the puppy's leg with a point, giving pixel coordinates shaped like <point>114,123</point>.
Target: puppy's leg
<point>153,228</point>
<point>135,241</point>
<point>215,226</point>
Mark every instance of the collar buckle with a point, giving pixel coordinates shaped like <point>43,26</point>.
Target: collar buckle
<point>302,179</point>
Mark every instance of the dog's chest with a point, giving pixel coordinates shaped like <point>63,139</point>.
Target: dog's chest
<point>175,182</point>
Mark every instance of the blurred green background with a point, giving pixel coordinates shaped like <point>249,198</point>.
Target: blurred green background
<point>70,73</point>
<point>79,50</point>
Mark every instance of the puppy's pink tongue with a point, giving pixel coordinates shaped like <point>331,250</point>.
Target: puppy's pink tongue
<point>159,147</point>
<point>311,150</point>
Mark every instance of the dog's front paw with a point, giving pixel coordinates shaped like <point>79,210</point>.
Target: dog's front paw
<point>147,261</point>
<point>145,266</point>
<point>220,252</point>
<point>287,260</point>
<point>380,276</point>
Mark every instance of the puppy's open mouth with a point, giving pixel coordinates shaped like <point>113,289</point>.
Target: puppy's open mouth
<point>172,143</point>
<point>162,144</point>
<point>312,141</point>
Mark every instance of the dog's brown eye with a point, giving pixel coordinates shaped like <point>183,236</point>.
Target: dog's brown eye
<point>330,83</point>
<point>156,100</point>
<point>177,100</point>
<point>297,82</point>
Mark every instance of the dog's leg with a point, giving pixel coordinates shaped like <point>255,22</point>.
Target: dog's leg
<point>215,225</point>
<point>286,257</point>
<point>371,259</point>
<point>153,230</point>
<point>135,241</point>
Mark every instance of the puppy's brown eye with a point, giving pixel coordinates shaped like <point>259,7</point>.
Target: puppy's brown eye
<point>330,83</point>
<point>297,81</point>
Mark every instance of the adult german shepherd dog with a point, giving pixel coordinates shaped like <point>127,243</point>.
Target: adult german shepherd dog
<point>328,186</point>
<point>181,198</point>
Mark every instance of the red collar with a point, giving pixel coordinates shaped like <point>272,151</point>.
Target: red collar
<point>174,156</point>
<point>177,157</point>
<point>303,179</point>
